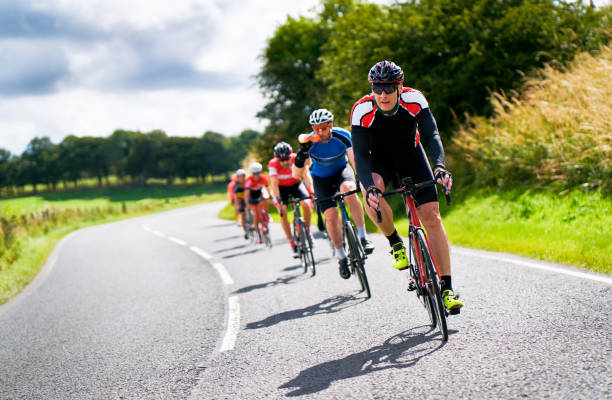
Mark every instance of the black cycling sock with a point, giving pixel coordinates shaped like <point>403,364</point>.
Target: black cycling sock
<point>394,238</point>
<point>446,283</point>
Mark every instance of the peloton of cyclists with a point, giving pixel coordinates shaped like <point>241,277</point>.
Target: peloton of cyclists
<point>328,147</point>
<point>283,184</point>
<point>387,148</point>
<point>254,187</point>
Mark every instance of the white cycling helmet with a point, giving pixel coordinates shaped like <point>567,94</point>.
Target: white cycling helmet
<point>255,167</point>
<point>240,172</point>
<point>320,116</point>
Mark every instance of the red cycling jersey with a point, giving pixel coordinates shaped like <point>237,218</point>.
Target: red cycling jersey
<point>285,176</point>
<point>252,184</point>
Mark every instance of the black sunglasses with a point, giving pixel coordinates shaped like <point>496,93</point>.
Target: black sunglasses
<point>386,88</point>
<point>284,158</point>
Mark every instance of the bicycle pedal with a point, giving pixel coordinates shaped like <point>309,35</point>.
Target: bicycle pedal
<point>454,311</point>
<point>411,286</point>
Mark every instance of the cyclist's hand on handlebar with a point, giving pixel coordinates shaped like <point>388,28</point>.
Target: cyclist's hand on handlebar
<point>372,197</point>
<point>445,179</point>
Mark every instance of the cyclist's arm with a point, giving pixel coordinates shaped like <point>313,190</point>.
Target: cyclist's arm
<point>308,180</point>
<point>274,186</point>
<point>431,137</point>
<point>361,151</point>
<point>351,157</point>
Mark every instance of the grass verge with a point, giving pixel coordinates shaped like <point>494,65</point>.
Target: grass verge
<point>569,228</point>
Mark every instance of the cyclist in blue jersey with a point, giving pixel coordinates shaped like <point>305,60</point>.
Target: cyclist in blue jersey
<point>328,148</point>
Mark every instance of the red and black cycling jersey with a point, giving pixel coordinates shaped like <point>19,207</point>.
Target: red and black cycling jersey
<point>389,136</point>
<point>284,175</point>
<point>255,186</point>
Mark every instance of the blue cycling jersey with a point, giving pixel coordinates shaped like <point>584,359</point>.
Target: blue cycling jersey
<point>329,158</point>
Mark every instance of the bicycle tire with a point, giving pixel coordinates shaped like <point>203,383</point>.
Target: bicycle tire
<point>357,259</point>
<point>266,230</point>
<point>308,257</point>
<point>433,286</point>
<point>421,291</point>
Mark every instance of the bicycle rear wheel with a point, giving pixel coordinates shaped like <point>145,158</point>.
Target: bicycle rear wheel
<point>356,255</point>
<point>266,229</point>
<point>433,285</point>
<point>307,256</point>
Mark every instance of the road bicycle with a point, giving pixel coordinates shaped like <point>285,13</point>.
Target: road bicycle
<point>424,277</point>
<point>301,236</point>
<point>355,252</point>
<point>250,226</point>
<point>264,227</point>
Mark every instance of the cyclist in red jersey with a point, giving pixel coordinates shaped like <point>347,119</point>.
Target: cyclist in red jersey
<point>387,148</point>
<point>230,194</point>
<point>239,202</point>
<point>254,187</point>
<point>284,184</point>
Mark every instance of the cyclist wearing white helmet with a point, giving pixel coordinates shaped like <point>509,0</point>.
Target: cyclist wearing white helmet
<point>328,147</point>
<point>254,187</point>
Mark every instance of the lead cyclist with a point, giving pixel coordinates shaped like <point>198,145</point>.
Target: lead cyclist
<point>387,147</point>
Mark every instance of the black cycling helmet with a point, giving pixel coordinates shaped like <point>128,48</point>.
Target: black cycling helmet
<point>385,72</point>
<point>282,150</point>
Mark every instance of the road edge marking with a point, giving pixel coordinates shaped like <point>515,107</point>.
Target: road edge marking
<point>225,276</point>
<point>233,324</point>
<point>548,268</point>
<point>200,252</point>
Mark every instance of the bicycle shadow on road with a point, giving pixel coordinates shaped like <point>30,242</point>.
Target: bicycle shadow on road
<point>240,246</point>
<point>327,306</point>
<point>243,253</point>
<point>223,239</point>
<point>403,350</point>
<point>286,280</point>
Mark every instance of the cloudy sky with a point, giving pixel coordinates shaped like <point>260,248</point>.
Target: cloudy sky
<point>90,67</point>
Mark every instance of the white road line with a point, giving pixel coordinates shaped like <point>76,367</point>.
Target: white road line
<point>225,276</point>
<point>539,266</point>
<point>233,325</point>
<point>158,233</point>
<point>200,252</point>
<point>177,240</point>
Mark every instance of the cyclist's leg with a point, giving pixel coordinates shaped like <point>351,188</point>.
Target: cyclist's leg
<point>386,226</point>
<point>326,187</point>
<point>299,191</point>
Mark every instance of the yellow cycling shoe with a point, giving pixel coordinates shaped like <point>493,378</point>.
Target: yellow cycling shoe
<point>451,301</point>
<point>400,261</point>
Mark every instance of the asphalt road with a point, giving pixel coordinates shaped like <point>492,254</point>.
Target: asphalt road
<point>179,305</point>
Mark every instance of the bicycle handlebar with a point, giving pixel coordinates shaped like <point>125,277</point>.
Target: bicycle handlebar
<point>411,189</point>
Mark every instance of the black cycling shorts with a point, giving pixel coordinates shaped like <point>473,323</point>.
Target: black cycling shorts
<point>414,165</point>
<point>329,186</point>
<point>241,205</point>
<point>297,190</point>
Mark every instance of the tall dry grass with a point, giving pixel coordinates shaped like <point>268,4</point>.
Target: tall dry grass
<point>557,133</point>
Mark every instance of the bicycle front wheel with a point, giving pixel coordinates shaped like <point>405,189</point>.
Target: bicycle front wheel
<point>421,291</point>
<point>308,255</point>
<point>357,258</point>
<point>433,284</point>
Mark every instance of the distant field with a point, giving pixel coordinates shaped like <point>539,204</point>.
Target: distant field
<point>91,198</point>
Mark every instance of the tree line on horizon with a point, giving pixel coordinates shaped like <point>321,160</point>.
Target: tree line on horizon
<point>125,154</point>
